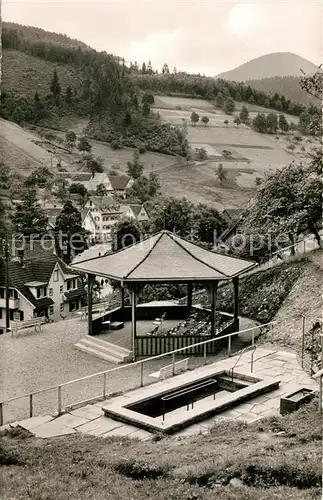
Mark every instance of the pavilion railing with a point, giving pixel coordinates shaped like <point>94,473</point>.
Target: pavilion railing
<point>66,390</point>
<point>155,345</point>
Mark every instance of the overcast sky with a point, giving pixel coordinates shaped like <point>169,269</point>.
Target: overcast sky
<point>197,36</point>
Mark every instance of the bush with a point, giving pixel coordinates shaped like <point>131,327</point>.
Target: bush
<point>116,144</point>
<point>140,470</point>
<point>261,294</point>
<point>142,149</point>
<point>8,457</point>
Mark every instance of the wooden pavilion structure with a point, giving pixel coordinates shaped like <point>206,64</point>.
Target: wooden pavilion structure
<point>165,258</point>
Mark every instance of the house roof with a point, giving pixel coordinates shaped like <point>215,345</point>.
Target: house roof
<point>35,270</point>
<point>81,176</point>
<point>165,257</point>
<point>233,213</point>
<point>119,182</point>
<point>44,302</point>
<point>136,209</point>
<point>103,202</point>
<point>73,294</point>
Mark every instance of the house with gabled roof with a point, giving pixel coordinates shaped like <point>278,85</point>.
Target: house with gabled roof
<point>43,286</point>
<point>104,211</point>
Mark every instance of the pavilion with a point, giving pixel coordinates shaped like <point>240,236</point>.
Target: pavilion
<point>164,258</point>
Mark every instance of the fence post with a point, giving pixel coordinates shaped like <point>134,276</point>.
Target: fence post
<point>204,353</point>
<point>30,405</point>
<point>104,385</point>
<point>304,246</point>
<point>229,346</point>
<point>173,361</point>
<point>59,399</point>
<point>1,414</point>
<point>303,341</point>
<point>253,337</point>
<point>142,374</point>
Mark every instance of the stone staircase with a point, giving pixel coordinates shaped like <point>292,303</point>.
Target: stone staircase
<point>104,350</point>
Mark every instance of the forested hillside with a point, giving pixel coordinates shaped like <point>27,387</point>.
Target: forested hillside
<point>48,75</point>
<point>286,85</point>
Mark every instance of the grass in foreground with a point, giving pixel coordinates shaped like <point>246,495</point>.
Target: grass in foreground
<point>284,466</point>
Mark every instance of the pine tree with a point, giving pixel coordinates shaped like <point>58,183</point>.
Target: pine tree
<point>55,87</point>
<point>69,233</point>
<point>244,114</point>
<point>30,218</point>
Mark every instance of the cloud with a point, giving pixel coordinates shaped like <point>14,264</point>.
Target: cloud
<point>155,47</point>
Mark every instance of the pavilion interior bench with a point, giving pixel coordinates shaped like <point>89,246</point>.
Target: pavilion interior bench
<point>167,371</point>
<point>15,326</point>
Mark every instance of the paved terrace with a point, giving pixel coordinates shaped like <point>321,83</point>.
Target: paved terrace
<point>90,420</point>
<point>36,360</point>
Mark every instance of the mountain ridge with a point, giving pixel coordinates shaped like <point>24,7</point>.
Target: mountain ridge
<point>275,64</point>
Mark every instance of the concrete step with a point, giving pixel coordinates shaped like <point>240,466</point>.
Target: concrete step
<point>106,347</point>
<point>116,347</point>
<point>98,354</point>
<point>227,378</point>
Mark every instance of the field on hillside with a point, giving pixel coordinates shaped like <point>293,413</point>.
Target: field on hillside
<point>21,74</point>
<point>252,154</point>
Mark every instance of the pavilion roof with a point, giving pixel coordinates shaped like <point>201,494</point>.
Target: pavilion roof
<point>164,257</point>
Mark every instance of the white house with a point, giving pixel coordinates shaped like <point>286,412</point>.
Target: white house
<point>105,212</point>
<point>39,287</point>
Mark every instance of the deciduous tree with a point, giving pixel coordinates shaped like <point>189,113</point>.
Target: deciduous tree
<point>135,167</point>
<point>125,232</point>
<point>283,123</point>
<point>194,118</point>
<point>205,120</point>
<point>84,145</point>
<point>221,174</point>
<point>289,201</point>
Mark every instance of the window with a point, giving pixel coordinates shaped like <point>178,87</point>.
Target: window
<point>71,284</point>
<point>0,313</point>
<point>1,293</point>
<point>61,289</point>
<point>62,307</point>
<point>21,315</point>
<point>40,292</point>
<point>51,310</point>
<point>50,292</point>
<point>56,275</point>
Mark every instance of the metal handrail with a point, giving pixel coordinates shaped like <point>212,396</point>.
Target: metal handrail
<point>182,392</point>
<point>104,373</point>
<point>246,349</point>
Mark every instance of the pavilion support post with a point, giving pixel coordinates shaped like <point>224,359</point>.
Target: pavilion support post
<point>90,280</point>
<point>122,293</point>
<point>189,297</point>
<point>133,321</point>
<point>214,292</point>
<point>236,298</point>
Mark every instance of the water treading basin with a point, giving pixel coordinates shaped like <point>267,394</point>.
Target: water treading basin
<point>172,405</point>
